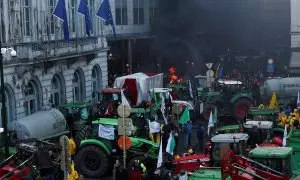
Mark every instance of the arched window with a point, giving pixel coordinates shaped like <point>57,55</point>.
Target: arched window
<point>31,101</point>
<point>78,86</point>
<point>96,83</point>
<point>57,93</point>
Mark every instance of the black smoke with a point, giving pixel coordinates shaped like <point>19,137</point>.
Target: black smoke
<point>200,30</point>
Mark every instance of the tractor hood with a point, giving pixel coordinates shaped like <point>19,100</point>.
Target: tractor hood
<point>230,138</point>
<point>207,174</point>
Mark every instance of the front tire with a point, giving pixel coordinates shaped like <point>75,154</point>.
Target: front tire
<point>91,161</point>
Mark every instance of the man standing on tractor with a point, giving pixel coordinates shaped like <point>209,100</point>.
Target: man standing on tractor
<point>188,134</point>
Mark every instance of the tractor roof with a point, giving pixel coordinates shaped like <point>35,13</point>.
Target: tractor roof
<point>74,105</point>
<point>112,90</point>
<point>270,152</point>
<point>230,138</point>
<point>161,90</point>
<point>259,124</point>
<point>262,111</point>
<point>230,82</point>
<point>106,121</point>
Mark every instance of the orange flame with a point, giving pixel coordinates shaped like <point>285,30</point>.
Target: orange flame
<point>173,77</point>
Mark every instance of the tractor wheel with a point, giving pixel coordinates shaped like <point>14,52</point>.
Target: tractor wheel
<point>83,133</point>
<point>241,108</point>
<point>91,162</point>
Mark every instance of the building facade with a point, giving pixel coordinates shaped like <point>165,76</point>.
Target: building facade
<point>47,69</point>
<point>295,37</point>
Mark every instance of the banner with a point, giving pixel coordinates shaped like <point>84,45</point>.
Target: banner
<point>106,132</point>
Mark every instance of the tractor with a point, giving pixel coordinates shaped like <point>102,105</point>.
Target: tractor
<point>230,98</point>
<point>96,154</point>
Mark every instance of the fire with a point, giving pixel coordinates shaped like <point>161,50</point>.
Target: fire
<point>173,77</point>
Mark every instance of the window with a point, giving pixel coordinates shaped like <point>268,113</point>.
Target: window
<point>121,12</point>
<point>92,14</point>
<point>138,11</point>
<point>96,83</point>
<point>78,86</point>
<point>51,7</point>
<point>73,15</point>
<point>31,99</point>
<point>152,9</point>
<point>57,91</point>
<point>26,17</point>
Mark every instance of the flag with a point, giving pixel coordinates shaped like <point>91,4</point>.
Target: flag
<point>124,100</point>
<point>298,101</point>
<point>154,96</point>
<point>215,118</point>
<point>160,159</point>
<point>220,72</point>
<point>185,117</point>
<point>84,10</point>
<point>106,132</point>
<point>284,136</point>
<point>104,12</point>
<point>273,102</point>
<point>61,13</point>
<point>163,108</point>
<point>171,145</point>
<point>190,89</point>
<point>210,122</point>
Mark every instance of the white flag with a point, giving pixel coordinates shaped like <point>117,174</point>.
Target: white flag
<point>124,100</point>
<point>210,122</point>
<point>163,108</point>
<point>190,88</point>
<point>298,101</point>
<point>284,136</point>
<point>160,159</point>
<point>171,145</point>
<point>106,132</point>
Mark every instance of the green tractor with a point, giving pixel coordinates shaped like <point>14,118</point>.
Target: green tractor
<point>263,114</point>
<point>230,98</point>
<point>78,118</point>
<point>283,159</point>
<point>96,155</point>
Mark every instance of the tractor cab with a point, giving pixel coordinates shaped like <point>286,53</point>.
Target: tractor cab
<point>259,131</point>
<point>222,143</point>
<point>277,158</point>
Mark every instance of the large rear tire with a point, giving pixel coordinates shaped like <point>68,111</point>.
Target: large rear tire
<point>240,108</point>
<point>91,161</point>
<point>83,133</point>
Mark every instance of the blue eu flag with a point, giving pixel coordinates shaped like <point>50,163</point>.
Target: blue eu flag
<point>61,13</point>
<point>84,10</point>
<point>104,13</point>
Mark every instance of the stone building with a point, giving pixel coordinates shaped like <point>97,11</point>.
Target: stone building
<point>47,69</point>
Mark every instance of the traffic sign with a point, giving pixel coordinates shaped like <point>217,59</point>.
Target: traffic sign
<point>209,74</point>
<point>209,65</point>
<point>127,144</point>
<point>127,121</point>
<point>123,130</point>
<point>124,110</point>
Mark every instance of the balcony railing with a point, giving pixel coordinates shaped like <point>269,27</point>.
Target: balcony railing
<point>51,50</point>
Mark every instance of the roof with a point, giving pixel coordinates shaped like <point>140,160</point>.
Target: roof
<point>259,124</point>
<point>112,90</point>
<point>229,82</point>
<point>270,152</point>
<point>106,121</point>
<point>230,138</point>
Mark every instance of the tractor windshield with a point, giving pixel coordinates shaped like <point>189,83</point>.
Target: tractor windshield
<point>280,165</point>
<point>109,97</point>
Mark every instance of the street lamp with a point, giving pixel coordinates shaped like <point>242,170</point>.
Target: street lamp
<point>12,52</point>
